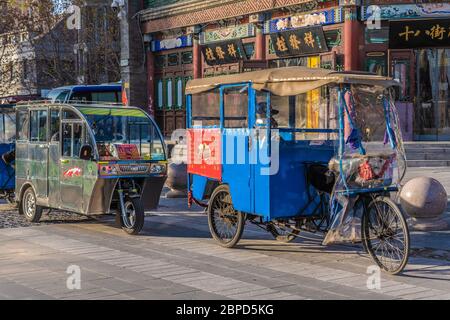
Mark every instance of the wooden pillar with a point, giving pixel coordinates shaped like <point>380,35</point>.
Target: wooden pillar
<point>352,30</point>
<point>260,45</point>
<point>197,57</point>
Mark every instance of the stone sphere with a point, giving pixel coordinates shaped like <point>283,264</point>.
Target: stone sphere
<point>177,176</point>
<point>424,197</point>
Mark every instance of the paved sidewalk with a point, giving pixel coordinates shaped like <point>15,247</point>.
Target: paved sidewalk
<point>175,258</point>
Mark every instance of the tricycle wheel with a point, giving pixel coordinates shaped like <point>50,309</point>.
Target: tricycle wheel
<point>225,223</point>
<point>28,206</point>
<point>385,235</point>
<point>281,234</point>
<point>133,220</point>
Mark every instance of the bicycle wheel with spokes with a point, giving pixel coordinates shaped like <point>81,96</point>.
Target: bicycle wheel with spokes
<point>386,235</point>
<point>225,223</point>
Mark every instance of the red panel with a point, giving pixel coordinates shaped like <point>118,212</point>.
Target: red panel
<point>204,153</point>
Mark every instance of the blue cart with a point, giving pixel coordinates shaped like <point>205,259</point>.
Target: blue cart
<point>7,152</point>
<point>297,150</point>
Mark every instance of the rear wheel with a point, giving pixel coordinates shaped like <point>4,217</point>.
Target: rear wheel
<point>28,206</point>
<point>132,220</point>
<point>386,235</point>
<point>225,223</point>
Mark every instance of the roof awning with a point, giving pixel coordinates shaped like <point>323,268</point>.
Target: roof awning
<point>289,81</point>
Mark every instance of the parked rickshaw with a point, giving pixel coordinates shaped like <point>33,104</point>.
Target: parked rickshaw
<point>298,149</point>
<point>89,159</point>
<point>7,147</point>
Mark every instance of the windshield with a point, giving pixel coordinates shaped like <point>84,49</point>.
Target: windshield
<point>125,134</point>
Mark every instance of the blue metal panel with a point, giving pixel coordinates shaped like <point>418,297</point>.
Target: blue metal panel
<point>261,180</point>
<point>236,167</point>
<point>199,186</point>
<point>289,190</point>
<point>7,172</point>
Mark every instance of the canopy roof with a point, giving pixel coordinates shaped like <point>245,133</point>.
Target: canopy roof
<point>290,81</point>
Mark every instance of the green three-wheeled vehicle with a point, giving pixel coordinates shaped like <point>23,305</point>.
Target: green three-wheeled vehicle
<point>88,159</point>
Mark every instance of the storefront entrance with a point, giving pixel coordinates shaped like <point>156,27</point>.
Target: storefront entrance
<point>432,107</point>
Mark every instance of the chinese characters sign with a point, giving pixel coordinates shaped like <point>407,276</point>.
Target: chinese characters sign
<point>297,42</point>
<point>419,34</point>
<point>224,52</point>
<point>327,17</point>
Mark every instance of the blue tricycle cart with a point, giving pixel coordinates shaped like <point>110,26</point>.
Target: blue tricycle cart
<point>298,149</point>
<point>7,152</point>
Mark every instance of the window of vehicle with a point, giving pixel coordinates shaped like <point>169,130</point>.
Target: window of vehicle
<point>206,109</point>
<point>73,139</point>
<point>55,122</point>
<point>70,115</point>
<point>311,110</point>
<point>7,126</point>
<point>114,126</point>
<point>67,140</point>
<point>58,96</point>
<point>38,125</point>
<point>236,107</point>
<point>78,139</point>
<point>108,96</point>
<point>23,125</point>
<point>62,97</point>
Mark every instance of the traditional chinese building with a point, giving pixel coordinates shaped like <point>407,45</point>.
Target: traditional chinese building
<point>196,38</point>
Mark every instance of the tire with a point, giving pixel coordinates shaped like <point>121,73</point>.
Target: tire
<point>225,223</point>
<point>385,235</point>
<point>28,206</point>
<point>284,236</point>
<point>135,216</point>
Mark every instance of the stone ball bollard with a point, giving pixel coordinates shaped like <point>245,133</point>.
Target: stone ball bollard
<point>425,200</point>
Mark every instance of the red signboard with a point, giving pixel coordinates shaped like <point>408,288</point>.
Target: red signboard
<point>204,153</point>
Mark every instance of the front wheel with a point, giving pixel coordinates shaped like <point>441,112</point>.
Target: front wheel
<point>225,223</point>
<point>132,220</point>
<point>28,206</point>
<point>386,235</point>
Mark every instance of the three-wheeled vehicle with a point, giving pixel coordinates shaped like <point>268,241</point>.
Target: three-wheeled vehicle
<point>7,147</point>
<point>298,149</point>
<point>88,159</point>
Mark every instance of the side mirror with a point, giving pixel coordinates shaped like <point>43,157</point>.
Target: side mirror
<point>86,152</point>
